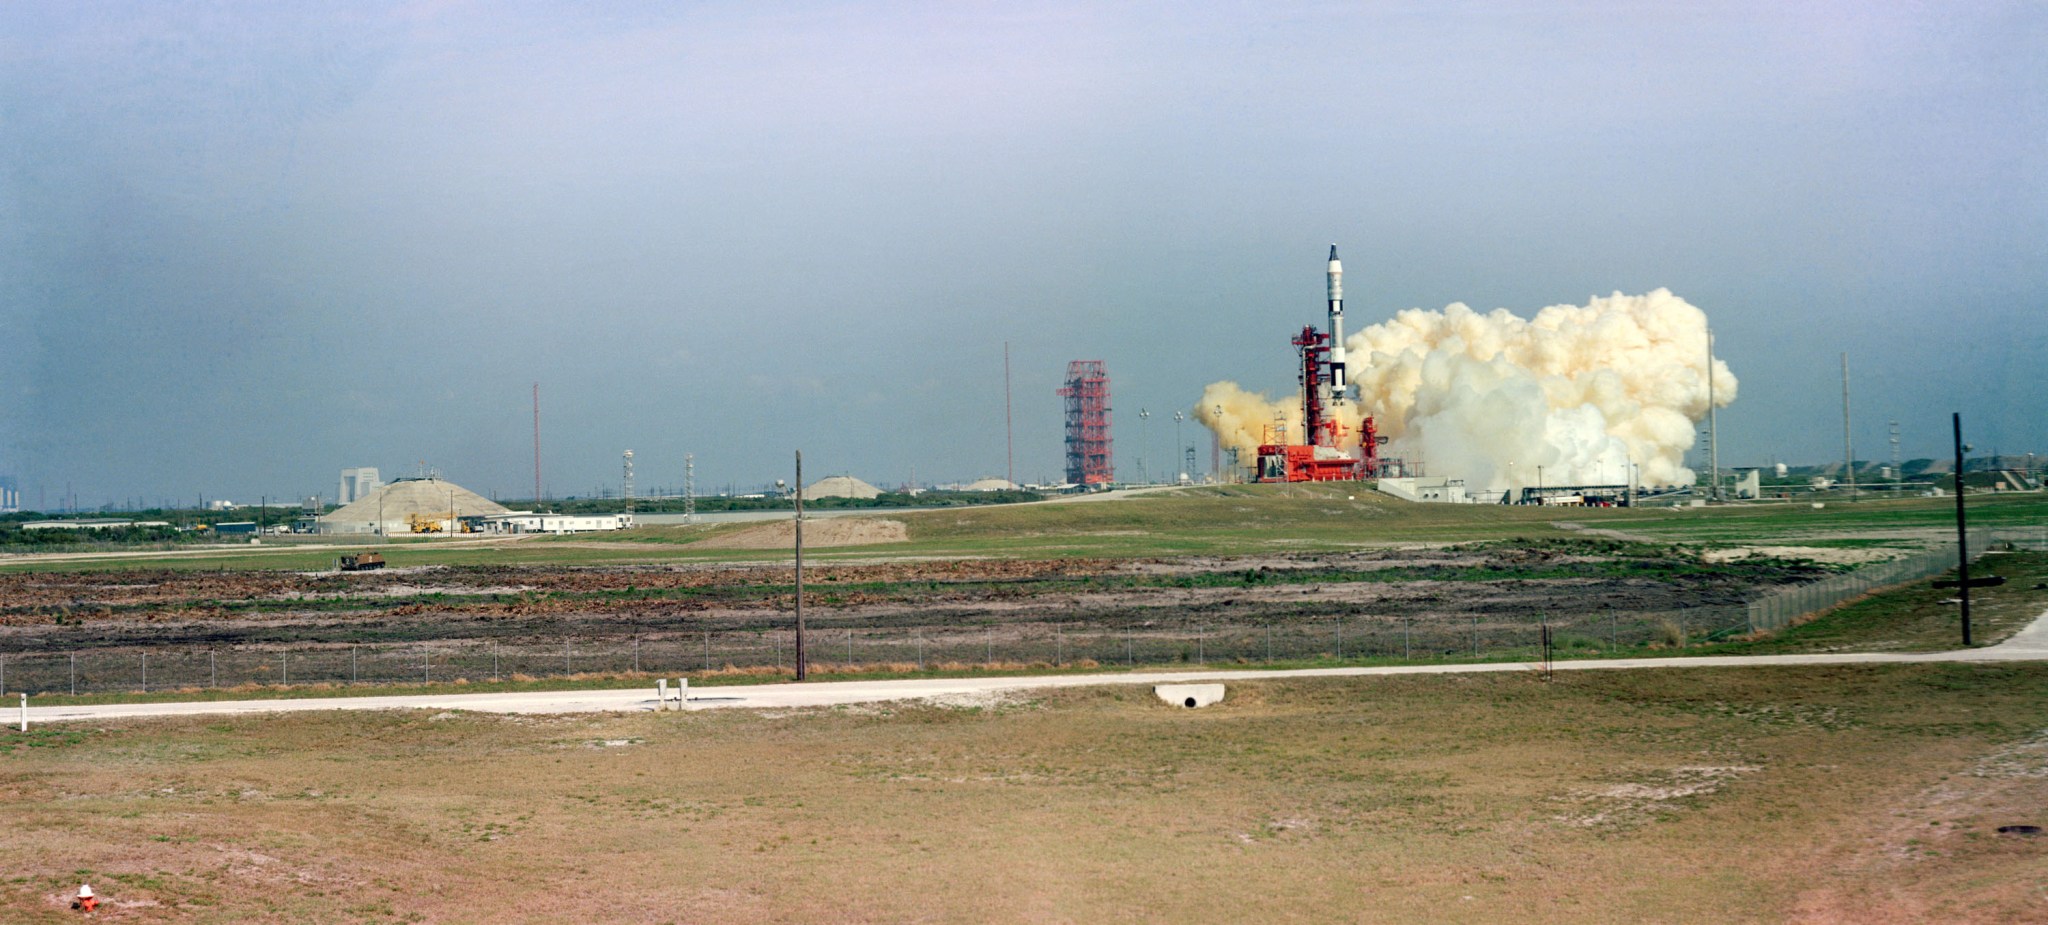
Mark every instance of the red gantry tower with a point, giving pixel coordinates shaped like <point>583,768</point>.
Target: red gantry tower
<point>1088,443</point>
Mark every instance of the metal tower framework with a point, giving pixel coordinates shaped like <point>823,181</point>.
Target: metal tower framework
<point>1087,415</point>
<point>689,488</point>
<point>626,484</point>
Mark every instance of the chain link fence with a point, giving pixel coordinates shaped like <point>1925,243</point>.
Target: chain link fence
<point>1777,611</point>
<point>770,651</point>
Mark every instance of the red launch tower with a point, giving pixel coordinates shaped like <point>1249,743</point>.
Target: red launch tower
<point>1088,443</point>
<point>1325,455</point>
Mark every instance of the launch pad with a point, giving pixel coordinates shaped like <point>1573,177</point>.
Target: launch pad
<point>1330,453</point>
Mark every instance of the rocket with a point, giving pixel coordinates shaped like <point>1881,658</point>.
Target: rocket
<point>1336,276</point>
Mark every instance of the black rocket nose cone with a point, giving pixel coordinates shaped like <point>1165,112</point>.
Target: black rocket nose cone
<point>1333,252</point>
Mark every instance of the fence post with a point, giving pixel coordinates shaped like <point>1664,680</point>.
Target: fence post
<point>286,661</point>
<point>494,660</point>
<point>351,664</point>
<point>427,664</point>
<point>212,673</point>
<point>74,674</point>
<point>145,672</point>
<point>1340,637</point>
<point>1475,637</point>
<point>1407,651</point>
<point>707,650</point>
<point>1202,646</point>
<point>636,653</point>
<point>1059,650</point>
<point>1269,643</point>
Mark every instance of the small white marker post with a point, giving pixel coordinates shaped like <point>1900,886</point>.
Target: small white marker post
<point>660,694</point>
<point>682,691</point>
<point>24,712</point>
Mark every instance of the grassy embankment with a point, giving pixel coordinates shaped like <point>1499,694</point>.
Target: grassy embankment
<point>1867,794</point>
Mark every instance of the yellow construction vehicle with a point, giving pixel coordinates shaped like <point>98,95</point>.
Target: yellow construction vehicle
<point>428,523</point>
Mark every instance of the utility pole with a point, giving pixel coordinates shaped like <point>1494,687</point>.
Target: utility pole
<point>802,664</point>
<point>1848,448</point>
<point>1962,532</point>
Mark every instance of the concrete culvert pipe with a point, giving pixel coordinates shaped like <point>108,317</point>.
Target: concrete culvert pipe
<point>1189,696</point>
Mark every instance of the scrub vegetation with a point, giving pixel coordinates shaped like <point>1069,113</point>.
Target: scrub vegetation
<point>1861,794</point>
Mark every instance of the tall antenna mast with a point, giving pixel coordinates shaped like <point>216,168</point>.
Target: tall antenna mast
<point>536,446</point>
<point>1009,432</point>
<point>1848,448</point>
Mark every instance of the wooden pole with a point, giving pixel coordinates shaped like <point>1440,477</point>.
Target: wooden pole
<point>802,663</point>
<point>1962,532</point>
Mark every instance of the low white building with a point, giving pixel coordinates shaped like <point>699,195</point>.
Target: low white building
<point>1433,491</point>
<point>531,522</point>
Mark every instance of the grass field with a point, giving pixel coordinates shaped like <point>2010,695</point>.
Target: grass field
<point>1867,794</point>
<point>1755,795</point>
<point>1223,520</point>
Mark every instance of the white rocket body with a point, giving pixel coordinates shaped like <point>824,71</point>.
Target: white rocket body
<point>1338,386</point>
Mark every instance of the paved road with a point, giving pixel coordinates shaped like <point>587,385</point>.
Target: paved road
<point>2030,644</point>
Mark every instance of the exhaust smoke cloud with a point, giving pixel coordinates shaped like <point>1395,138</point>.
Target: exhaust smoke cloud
<point>1578,390</point>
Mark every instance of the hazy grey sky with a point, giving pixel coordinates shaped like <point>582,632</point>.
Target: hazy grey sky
<point>243,245</point>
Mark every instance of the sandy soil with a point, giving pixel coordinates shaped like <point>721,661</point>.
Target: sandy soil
<point>837,531</point>
<point>1827,554</point>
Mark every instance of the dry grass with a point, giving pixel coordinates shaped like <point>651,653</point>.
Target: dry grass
<point>1724,796</point>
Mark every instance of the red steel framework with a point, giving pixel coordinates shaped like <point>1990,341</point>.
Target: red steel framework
<point>1324,457</point>
<point>1088,443</point>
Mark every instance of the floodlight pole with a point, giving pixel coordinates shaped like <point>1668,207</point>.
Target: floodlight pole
<point>1962,532</point>
<point>802,664</point>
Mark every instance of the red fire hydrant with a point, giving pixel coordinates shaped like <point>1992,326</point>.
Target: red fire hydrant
<point>86,902</point>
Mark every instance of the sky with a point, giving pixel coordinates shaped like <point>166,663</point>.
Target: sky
<point>245,245</point>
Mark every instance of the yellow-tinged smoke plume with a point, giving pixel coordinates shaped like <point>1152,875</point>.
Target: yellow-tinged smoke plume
<point>1580,391</point>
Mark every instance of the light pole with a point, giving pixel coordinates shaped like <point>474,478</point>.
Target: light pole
<point>1218,426</point>
<point>1511,482</point>
<point>1539,483</point>
<point>1177,451</point>
<point>1143,447</point>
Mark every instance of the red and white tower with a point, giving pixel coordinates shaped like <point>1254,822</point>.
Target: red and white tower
<point>1087,414</point>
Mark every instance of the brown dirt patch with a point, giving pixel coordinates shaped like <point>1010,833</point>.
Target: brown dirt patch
<point>834,531</point>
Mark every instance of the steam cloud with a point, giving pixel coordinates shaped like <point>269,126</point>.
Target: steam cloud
<point>1579,390</point>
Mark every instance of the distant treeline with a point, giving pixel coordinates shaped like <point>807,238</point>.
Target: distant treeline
<point>12,535</point>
